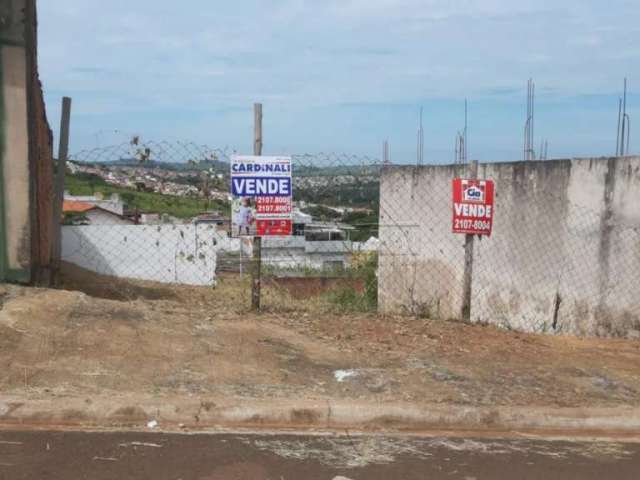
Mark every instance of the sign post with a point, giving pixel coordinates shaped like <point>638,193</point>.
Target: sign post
<point>473,212</point>
<point>262,200</point>
<point>257,240</point>
<point>63,151</point>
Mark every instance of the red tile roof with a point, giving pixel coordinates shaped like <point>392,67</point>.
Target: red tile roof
<point>76,207</point>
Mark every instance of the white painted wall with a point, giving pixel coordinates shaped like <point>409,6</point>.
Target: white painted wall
<point>564,255</point>
<point>183,254</point>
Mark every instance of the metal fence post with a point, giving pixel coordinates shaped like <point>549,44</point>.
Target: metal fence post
<point>63,151</point>
<point>257,241</point>
<point>468,259</point>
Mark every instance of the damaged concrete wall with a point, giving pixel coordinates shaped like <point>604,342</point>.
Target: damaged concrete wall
<point>564,255</point>
<point>26,170</point>
<point>14,148</point>
<point>184,254</point>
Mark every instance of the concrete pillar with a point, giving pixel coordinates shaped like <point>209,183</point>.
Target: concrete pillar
<point>15,240</point>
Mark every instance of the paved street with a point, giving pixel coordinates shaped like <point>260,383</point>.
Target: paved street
<point>96,456</point>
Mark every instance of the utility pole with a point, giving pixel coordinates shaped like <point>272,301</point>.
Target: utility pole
<point>257,240</point>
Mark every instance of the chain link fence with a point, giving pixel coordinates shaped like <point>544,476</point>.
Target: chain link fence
<point>160,212</point>
<point>367,236</point>
<point>560,267</point>
<point>560,259</point>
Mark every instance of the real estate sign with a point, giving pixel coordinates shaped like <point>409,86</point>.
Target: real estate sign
<point>261,188</point>
<point>473,209</point>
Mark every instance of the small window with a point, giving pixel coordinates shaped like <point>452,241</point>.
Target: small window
<point>333,266</point>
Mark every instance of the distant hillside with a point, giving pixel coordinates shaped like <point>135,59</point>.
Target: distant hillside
<point>179,207</point>
<point>217,165</point>
<point>301,167</point>
<point>304,170</point>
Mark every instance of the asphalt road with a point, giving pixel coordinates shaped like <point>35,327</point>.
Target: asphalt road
<point>77,455</point>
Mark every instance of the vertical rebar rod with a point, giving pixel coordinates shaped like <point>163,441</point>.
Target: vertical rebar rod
<point>420,149</point>
<point>628,123</point>
<point>533,117</point>
<point>466,144</point>
<point>624,116</point>
<point>619,125</point>
<point>546,149</point>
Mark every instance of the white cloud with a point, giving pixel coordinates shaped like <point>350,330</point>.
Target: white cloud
<point>146,55</point>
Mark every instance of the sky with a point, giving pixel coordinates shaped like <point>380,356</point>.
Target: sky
<point>344,75</point>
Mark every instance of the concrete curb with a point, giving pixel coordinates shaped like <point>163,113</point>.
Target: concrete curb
<point>321,414</point>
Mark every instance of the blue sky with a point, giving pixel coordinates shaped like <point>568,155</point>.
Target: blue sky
<point>343,75</point>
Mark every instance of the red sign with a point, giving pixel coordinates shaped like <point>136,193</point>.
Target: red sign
<point>270,211</point>
<point>273,227</point>
<point>473,206</point>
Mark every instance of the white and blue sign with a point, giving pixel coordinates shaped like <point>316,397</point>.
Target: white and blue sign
<point>261,188</point>
<point>242,186</point>
<point>253,176</point>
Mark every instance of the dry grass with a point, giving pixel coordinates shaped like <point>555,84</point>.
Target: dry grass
<point>107,336</point>
<point>232,293</point>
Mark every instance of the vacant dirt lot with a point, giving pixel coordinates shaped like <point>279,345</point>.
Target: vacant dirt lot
<point>105,337</point>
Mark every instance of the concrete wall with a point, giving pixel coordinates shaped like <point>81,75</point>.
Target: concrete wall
<point>564,255</point>
<point>183,254</point>
<point>15,244</point>
<point>420,262</point>
<point>26,166</point>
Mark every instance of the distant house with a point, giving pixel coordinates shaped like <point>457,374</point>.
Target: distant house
<point>82,213</point>
<point>305,226</point>
<point>300,220</point>
<point>112,203</point>
<point>327,231</point>
<point>213,218</point>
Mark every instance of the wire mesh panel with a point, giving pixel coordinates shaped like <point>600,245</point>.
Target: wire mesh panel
<point>421,262</point>
<point>554,264</point>
<point>183,254</point>
<point>563,255</point>
<point>164,194</point>
<point>333,252</point>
